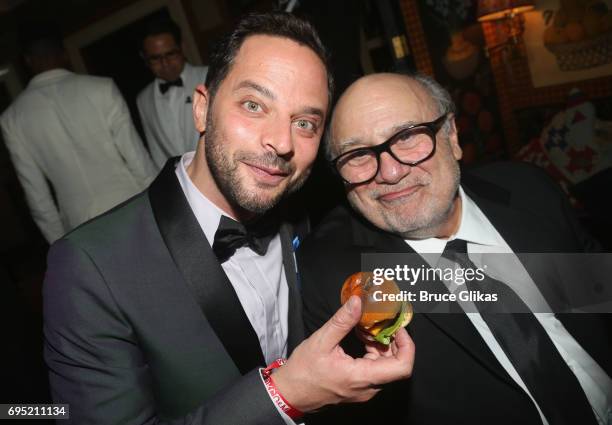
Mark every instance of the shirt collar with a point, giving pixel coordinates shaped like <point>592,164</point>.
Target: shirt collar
<point>48,75</point>
<point>474,227</point>
<point>159,81</point>
<point>207,213</point>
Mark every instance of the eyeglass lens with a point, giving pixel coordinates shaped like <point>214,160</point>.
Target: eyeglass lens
<point>408,147</point>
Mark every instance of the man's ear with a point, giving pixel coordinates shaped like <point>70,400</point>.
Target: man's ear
<point>200,107</point>
<point>453,138</point>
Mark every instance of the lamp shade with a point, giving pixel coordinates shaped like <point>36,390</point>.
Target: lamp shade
<point>489,10</point>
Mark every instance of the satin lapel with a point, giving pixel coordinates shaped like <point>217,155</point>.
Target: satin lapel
<point>456,326</point>
<point>524,232</point>
<point>295,321</point>
<point>527,233</point>
<point>158,122</point>
<point>190,134</point>
<point>194,258</point>
<point>190,137</point>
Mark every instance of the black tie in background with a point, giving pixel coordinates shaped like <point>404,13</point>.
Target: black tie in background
<point>164,87</point>
<point>531,351</point>
<point>231,235</point>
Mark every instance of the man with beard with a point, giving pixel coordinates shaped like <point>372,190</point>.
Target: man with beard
<point>165,309</point>
<point>394,143</point>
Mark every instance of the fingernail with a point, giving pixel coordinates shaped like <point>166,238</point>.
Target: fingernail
<point>351,303</point>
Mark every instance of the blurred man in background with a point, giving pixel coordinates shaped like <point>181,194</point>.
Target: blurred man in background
<point>165,104</point>
<point>72,142</point>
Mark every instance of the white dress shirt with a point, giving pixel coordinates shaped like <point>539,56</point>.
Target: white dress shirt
<point>483,238</point>
<point>259,280</point>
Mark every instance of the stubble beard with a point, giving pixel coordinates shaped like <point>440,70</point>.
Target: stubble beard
<point>427,217</point>
<point>224,171</point>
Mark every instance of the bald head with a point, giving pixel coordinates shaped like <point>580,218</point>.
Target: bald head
<point>378,86</point>
<point>405,116</point>
<point>377,92</point>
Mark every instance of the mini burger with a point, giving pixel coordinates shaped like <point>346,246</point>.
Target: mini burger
<point>380,320</point>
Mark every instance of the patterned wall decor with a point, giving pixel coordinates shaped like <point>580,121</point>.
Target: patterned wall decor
<point>447,43</point>
<point>513,84</point>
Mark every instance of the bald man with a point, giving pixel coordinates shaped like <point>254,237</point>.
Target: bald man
<point>394,143</point>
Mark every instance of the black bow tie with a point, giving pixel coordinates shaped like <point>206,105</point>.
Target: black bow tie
<point>232,235</point>
<point>163,87</point>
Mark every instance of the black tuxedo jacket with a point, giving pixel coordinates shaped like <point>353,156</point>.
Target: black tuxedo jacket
<point>143,326</point>
<point>456,378</point>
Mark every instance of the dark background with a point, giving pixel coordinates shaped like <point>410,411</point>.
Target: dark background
<point>357,32</point>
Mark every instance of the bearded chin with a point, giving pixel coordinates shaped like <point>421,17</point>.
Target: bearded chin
<point>225,173</point>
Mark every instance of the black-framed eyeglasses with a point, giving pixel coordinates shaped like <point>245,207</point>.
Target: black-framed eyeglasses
<point>410,146</point>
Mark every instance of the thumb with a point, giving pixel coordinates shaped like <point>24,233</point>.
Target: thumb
<point>340,324</point>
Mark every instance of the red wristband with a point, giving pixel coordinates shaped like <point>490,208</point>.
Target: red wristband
<point>275,395</point>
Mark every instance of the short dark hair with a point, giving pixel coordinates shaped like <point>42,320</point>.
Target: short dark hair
<point>161,26</point>
<point>41,39</point>
<point>277,24</point>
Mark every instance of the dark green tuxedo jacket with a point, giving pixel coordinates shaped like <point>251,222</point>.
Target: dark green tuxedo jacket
<point>133,315</point>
